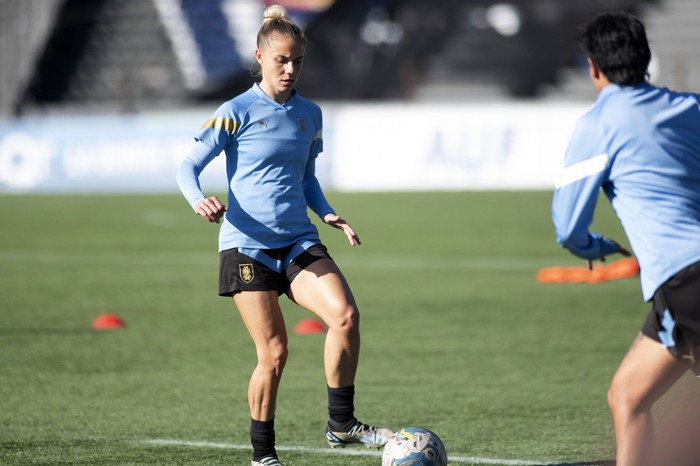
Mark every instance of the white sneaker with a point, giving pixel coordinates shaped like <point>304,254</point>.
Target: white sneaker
<point>369,436</point>
<point>267,461</point>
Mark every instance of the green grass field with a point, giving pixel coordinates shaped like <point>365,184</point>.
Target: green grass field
<point>458,336</point>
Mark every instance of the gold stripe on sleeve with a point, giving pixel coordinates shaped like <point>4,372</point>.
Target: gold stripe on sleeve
<point>224,123</point>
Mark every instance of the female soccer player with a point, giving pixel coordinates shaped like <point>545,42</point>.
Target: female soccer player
<point>641,145</point>
<point>267,243</point>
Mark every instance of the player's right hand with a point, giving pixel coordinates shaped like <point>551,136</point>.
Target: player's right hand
<point>211,208</point>
<point>619,249</point>
<point>613,247</point>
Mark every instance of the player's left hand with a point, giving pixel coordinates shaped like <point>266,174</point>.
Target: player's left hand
<point>337,222</point>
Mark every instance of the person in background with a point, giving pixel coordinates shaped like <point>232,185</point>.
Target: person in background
<point>641,145</point>
<point>268,245</point>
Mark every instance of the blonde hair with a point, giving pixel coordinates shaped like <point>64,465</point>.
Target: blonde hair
<point>276,21</point>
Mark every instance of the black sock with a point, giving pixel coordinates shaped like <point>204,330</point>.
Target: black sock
<point>262,437</point>
<point>341,408</point>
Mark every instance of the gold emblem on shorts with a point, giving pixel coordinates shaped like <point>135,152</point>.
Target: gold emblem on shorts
<point>245,271</point>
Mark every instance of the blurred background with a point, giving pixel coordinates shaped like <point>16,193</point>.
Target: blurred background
<point>105,95</point>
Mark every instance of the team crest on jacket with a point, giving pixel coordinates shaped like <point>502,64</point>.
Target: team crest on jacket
<point>301,123</point>
<point>245,271</point>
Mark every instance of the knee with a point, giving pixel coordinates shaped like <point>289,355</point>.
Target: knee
<point>624,400</point>
<point>346,319</point>
<point>274,356</point>
<point>614,397</point>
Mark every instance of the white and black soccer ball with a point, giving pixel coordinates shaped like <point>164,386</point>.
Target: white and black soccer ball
<point>414,446</point>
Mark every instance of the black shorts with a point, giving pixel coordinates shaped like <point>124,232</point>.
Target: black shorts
<point>674,319</point>
<point>240,272</point>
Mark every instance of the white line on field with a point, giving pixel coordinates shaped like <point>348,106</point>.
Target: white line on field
<point>346,452</point>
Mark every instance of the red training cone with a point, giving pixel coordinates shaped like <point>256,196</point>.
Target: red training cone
<point>309,326</point>
<point>108,322</point>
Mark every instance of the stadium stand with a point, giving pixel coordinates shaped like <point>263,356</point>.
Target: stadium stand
<point>674,39</point>
<point>506,50</point>
<point>198,31</point>
<point>24,29</point>
<point>108,56</point>
<point>675,42</point>
<point>134,55</point>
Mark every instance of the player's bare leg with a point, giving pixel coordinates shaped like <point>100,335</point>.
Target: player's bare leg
<point>645,374</point>
<point>322,289</point>
<point>262,316</point>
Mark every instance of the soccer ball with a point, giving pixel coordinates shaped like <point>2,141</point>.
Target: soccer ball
<point>414,446</point>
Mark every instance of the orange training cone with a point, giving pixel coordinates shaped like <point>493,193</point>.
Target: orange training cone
<point>108,322</point>
<point>623,268</point>
<point>309,326</point>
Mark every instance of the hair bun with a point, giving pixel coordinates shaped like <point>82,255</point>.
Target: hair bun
<point>273,12</point>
